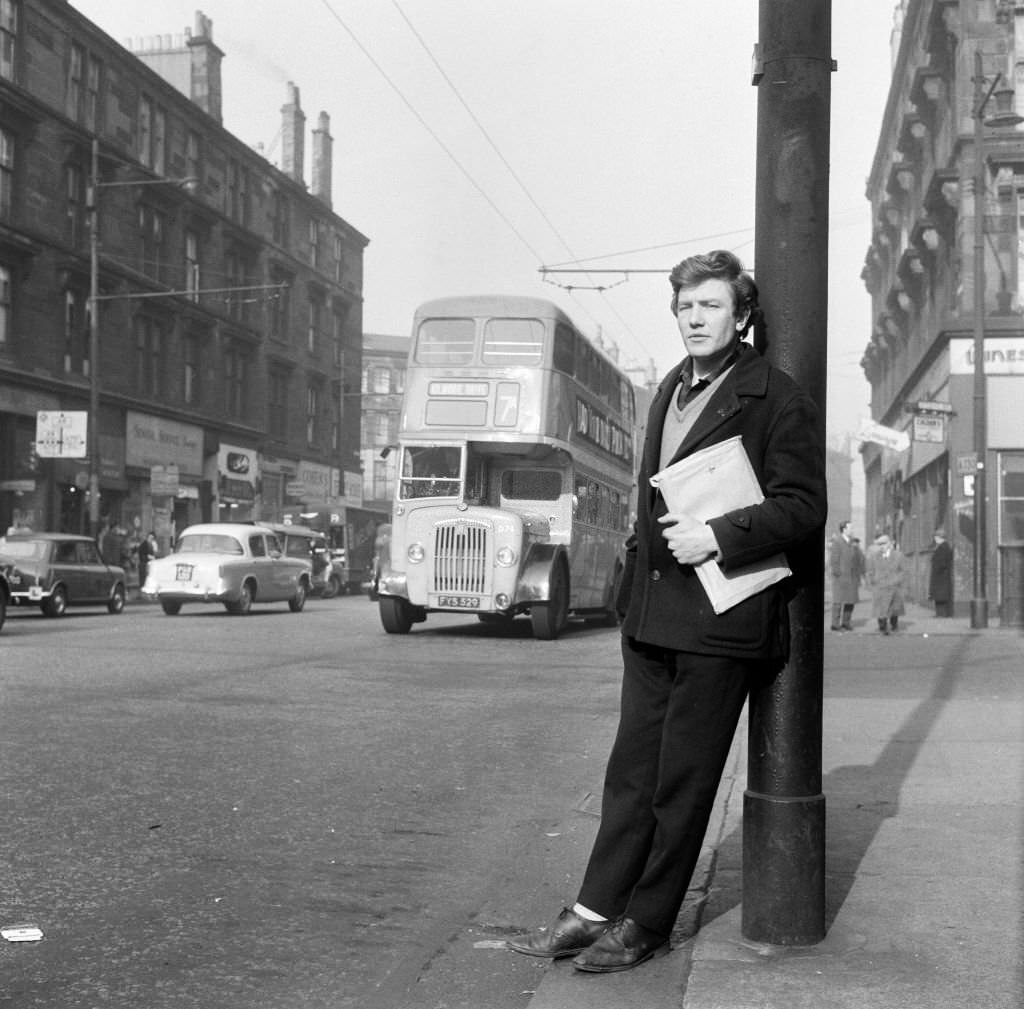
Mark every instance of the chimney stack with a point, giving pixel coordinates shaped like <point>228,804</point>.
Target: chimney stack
<point>322,154</point>
<point>205,89</point>
<point>293,127</point>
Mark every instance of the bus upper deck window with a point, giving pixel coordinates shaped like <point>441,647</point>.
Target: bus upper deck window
<point>445,342</point>
<point>513,341</point>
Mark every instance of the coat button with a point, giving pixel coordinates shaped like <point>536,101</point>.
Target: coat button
<point>655,576</point>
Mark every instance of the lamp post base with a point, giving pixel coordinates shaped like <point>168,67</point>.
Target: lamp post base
<point>979,613</point>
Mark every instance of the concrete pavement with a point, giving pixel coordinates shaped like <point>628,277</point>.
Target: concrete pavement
<point>923,766</point>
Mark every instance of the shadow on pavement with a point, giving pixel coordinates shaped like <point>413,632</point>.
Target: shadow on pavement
<point>860,799</point>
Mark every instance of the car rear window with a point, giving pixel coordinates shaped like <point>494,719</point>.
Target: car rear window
<point>209,543</point>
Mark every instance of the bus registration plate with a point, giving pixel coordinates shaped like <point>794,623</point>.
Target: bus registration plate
<point>459,602</point>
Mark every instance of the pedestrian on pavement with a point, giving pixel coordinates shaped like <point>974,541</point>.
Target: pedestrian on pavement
<point>940,579</point>
<point>686,669</point>
<point>845,568</point>
<point>887,577</point>
<point>146,551</point>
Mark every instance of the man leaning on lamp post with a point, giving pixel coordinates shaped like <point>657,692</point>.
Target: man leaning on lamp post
<point>687,669</point>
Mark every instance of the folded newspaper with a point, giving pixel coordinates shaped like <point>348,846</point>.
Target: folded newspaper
<point>709,483</point>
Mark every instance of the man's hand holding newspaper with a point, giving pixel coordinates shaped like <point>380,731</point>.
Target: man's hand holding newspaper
<point>702,486</point>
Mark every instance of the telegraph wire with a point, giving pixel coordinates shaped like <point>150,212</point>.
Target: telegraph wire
<point>515,175</point>
<point>423,122</point>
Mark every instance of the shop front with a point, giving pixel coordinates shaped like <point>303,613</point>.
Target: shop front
<point>26,481</point>
<point>164,475</point>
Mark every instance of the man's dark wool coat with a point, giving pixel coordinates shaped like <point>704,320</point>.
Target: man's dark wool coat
<point>662,600</point>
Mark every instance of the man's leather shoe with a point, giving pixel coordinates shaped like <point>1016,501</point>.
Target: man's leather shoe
<point>621,947</point>
<point>569,935</point>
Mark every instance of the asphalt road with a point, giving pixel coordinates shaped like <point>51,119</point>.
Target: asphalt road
<point>290,809</point>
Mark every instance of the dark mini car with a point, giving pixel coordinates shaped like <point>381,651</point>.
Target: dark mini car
<point>56,570</point>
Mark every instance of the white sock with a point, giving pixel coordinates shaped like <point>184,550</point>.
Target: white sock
<point>586,914</point>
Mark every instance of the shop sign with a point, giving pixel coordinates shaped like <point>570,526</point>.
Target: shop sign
<point>930,429</point>
<point>237,464</point>
<point>18,486</point>
<point>163,481</point>
<point>156,441</point>
<point>236,490</point>
<point>1004,355</point>
<point>315,480</point>
<point>887,437</point>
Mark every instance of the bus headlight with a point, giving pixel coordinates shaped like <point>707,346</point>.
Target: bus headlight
<point>502,601</point>
<point>416,553</point>
<point>505,557</point>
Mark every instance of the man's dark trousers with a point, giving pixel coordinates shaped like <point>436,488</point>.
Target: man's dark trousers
<point>679,715</point>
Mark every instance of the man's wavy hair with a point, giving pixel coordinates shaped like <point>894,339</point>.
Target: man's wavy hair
<point>718,265</point>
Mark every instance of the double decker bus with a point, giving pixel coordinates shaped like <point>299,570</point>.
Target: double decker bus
<point>515,472</point>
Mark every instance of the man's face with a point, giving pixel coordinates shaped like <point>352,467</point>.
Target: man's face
<point>708,323</point>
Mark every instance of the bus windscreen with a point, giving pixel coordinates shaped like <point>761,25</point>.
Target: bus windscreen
<point>431,471</point>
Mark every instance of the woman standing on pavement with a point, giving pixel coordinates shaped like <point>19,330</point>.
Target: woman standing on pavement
<point>886,573</point>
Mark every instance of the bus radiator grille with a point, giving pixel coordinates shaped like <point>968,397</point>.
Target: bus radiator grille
<point>460,557</point>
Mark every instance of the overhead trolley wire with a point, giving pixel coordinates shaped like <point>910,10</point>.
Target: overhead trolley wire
<point>423,122</point>
<point>515,175</point>
<point>479,188</point>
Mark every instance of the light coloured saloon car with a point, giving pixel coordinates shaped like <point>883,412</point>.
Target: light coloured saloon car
<point>232,563</point>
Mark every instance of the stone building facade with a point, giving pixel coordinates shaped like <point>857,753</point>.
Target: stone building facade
<point>384,364</point>
<point>228,302</point>
<point>928,181</point>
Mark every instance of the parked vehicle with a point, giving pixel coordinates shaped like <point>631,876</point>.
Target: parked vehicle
<point>308,544</point>
<point>350,538</point>
<point>236,564</point>
<point>5,596</point>
<point>56,570</point>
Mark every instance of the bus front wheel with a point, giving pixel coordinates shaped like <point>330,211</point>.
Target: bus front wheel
<point>549,619</point>
<point>395,614</point>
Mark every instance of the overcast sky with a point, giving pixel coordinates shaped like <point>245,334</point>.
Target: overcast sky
<point>477,140</point>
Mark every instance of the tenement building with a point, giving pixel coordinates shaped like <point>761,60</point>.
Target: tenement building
<point>946,355</point>
<point>197,307</point>
<point>384,363</point>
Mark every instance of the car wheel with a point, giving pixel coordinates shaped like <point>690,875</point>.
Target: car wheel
<point>333,587</point>
<point>171,607</point>
<point>57,603</point>
<point>395,614</point>
<point>549,619</point>
<point>297,601</point>
<point>242,606</point>
<point>115,604</point>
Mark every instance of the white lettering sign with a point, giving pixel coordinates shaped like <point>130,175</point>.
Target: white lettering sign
<point>1004,355</point>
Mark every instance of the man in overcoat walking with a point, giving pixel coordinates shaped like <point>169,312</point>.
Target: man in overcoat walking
<point>686,669</point>
<point>845,569</point>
